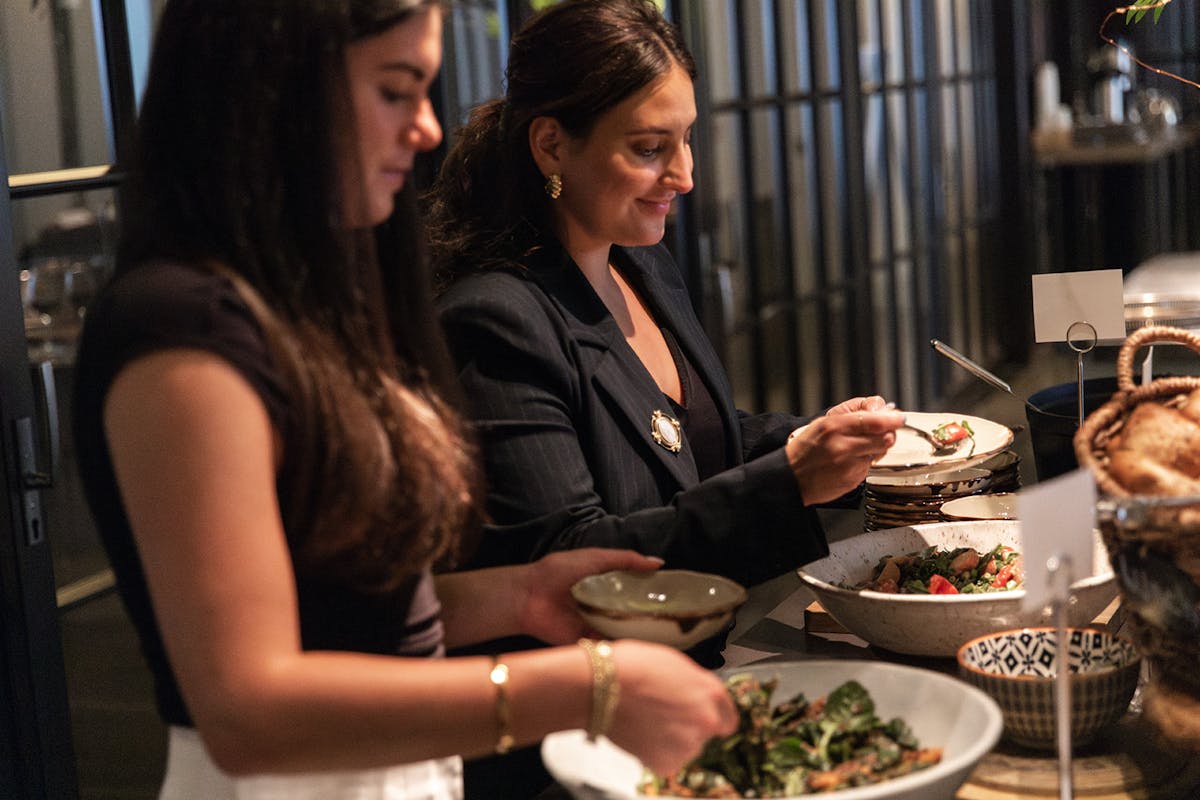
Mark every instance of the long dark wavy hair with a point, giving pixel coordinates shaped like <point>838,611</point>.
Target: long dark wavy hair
<point>572,62</point>
<point>236,166</point>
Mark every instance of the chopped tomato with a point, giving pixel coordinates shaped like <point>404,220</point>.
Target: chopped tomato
<point>1003,576</point>
<point>950,433</point>
<point>939,585</point>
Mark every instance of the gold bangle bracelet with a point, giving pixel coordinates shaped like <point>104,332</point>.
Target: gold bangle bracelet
<point>605,690</point>
<point>499,679</point>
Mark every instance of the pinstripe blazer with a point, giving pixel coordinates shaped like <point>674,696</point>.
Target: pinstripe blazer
<point>562,406</point>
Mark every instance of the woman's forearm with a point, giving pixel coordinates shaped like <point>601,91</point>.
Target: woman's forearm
<point>333,711</point>
<point>481,604</point>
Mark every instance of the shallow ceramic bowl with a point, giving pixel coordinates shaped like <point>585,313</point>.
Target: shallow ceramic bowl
<point>671,606</point>
<point>942,711</point>
<point>937,625</point>
<point>1016,668</point>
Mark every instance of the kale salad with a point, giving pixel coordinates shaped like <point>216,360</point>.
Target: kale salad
<point>798,747</point>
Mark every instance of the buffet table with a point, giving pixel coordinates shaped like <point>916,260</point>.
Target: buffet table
<point>781,621</point>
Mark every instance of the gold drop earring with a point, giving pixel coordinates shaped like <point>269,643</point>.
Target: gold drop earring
<point>553,185</point>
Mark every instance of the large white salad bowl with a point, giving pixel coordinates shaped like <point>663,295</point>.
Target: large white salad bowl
<point>941,710</point>
<point>936,625</point>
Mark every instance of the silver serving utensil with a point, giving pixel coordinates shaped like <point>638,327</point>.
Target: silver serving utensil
<point>939,448</point>
<point>969,365</point>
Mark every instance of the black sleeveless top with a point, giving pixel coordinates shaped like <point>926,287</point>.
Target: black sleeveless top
<point>164,306</point>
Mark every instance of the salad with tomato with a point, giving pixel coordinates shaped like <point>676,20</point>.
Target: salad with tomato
<point>954,433</point>
<point>959,570</point>
<point>797,747</point>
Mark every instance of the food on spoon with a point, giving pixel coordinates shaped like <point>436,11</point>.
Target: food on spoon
<point>959,570</point>
<point>799,747</point>
<point>954,433</point>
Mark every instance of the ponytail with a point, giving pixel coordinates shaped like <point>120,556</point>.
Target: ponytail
<point>487,209</point>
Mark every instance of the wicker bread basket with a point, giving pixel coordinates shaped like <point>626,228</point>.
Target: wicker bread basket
<point>1140,529</point>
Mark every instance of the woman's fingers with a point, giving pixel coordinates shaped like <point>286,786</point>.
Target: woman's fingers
<point>833,454</point>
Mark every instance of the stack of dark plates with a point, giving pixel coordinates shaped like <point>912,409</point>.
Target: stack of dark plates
<point>1006,472</point>
<point>897,499</point>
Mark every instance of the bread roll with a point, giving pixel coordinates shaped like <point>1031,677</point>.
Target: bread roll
<point>1142,474</point>
<point>1191,406</point>
<point>1164,435</point>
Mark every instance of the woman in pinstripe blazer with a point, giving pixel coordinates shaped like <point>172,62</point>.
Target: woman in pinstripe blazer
<point>604,415</point>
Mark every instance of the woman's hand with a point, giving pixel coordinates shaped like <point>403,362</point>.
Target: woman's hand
<point>854,404</point>
<point>667,706</point>
<point>832,454</point>
<point>544,606</point>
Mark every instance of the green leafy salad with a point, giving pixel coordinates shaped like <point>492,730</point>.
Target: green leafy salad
<point>798,747</point>
<point>959,570</point>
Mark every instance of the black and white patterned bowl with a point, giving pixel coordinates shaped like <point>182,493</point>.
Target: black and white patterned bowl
<point>1016,668</point>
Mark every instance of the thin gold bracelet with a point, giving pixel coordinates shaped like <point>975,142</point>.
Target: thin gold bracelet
<point>499,679</point>
<point>605,690</point>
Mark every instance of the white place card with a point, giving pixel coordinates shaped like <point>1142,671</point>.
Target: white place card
<point>1057,518</point>
<point>1061,299</point>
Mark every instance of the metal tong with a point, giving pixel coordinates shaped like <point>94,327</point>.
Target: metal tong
<point>970,366</point>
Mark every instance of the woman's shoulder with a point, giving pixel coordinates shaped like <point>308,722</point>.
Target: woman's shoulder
<point>166,304</point>
<point>171,293</point>
<point>513,288</point>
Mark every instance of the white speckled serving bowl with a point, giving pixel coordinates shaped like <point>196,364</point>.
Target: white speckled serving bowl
<point>937,625</point>
<point>1016,669</point>
<point>671,606</point>
<point>941,710</point>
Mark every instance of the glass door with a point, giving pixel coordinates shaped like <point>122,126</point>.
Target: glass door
<point>67,88</point>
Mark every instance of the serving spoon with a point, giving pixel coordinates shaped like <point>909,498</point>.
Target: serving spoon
<point>939,448</point>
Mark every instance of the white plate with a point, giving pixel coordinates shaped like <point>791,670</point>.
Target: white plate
<point>941,710</point>
<point>1001,505</point>
<point>954,481</point>
<point>910,450</point>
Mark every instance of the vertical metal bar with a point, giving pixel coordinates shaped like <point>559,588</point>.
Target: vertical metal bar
<point>753,256</point>
<point>118,72</point>
<point>961,264</point>
<point>819,111</point>
<point>695,212</point>
<point>65,84</point>
<point>856,229</point>
<point>783,197</point>
<point>888,263</point>
<point>916,299</point>
<point>1018,178</point>
<point>934,207</point>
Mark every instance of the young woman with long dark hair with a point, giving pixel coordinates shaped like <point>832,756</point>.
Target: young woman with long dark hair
<point>269,445</point>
